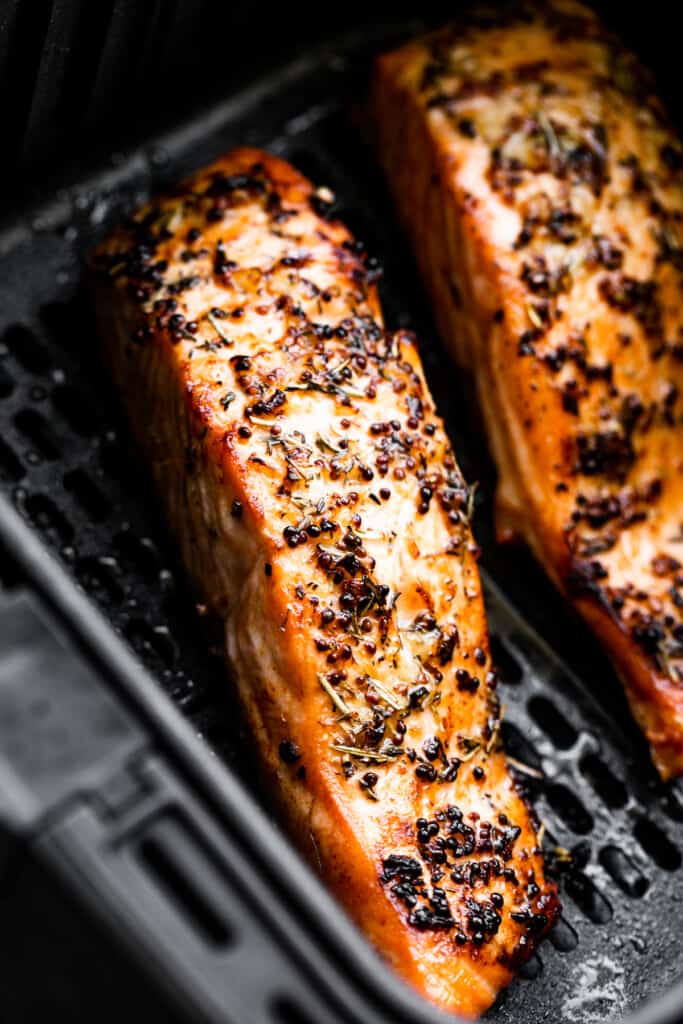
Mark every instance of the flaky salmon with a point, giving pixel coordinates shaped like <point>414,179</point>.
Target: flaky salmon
<point>542,185</point>
<point>320,513</point>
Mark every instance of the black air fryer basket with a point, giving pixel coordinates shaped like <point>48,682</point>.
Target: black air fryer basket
<point>140,871</point>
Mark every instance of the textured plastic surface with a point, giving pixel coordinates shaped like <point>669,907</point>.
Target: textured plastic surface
<point>65,463</point>
<point>135,873</point>
<point>60,730</point>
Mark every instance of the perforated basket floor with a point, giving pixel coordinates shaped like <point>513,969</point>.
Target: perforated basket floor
<point>65,461</point>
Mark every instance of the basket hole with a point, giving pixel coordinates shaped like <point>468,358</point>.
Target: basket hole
<point>88,496</point>
<point>509,669</point>
<point>26,349</point>
<point>563,937</point>
<point>623,871</point>
<point>657,845</point>
<point>552,722</point>
<point>532,968</point>
<point>518,746</point>
<point>588,898</point>
<point>285,1011</point>
<point>139,553</point>
<point>97,578</point>
<point>36,430</point>
<point>45,515</point>
<point>154,645</point>
<point>66,324</point>
<point>11,469</point>
<point>75,410</point>
<point>569,808</point>
<point>6,383</point>
<point>611,789</point>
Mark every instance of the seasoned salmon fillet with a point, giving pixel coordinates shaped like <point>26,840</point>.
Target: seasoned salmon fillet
<point>542,186</point>
<point>320,513</point>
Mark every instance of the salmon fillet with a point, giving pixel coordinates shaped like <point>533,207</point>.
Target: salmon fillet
<point>541,184</point>
<point>320,513</point>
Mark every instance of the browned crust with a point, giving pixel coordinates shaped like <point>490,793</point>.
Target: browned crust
<point>541,183</point>
<point>284,590</point>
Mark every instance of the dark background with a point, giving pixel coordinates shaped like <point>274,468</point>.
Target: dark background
<point>79,78</point>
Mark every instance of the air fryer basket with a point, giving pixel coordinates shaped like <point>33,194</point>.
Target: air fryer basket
<point>67,467</point>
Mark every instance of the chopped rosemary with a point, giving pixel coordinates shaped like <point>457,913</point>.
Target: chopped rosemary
<point>532,313</point>
<point>298,473</point>
<point>171,219</point>
<point>261,423</point>
<point>471,497</point>
<point>526,769</point>
<point>327,389</point>
<point>368,755</point>
<point>218,328</point>
<point>387,696</point>
<point>551,140</point>
<point>307,505</point>
<point>470,746</point>
<point>338,701</point>
<point>496,730</point>
<point>325,445</point>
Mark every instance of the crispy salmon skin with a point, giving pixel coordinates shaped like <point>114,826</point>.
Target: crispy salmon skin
<point>320,512</point>
<point>542,185</point>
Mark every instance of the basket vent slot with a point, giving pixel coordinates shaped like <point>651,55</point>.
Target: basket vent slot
<point>569,808</point>
<point>564,937</point>
<point>624,872</point>
<point>519,747</point>
<point>27,350</point>
<point>657,845</point>
<point>588,898</point>
<point>553,723</point>
<point>608,787</point>
<point>532,968</point>
<point>35,429</point>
